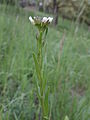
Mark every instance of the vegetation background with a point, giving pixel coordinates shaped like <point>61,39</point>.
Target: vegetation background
<point>68,59</point>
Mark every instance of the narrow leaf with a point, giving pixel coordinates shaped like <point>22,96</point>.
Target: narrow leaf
<point>37,67</point>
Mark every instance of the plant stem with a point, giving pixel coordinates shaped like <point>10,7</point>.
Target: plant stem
<point>40,58</point>
<point>38,64</point>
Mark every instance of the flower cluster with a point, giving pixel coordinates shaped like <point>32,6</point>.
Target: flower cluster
<point>40,21</point>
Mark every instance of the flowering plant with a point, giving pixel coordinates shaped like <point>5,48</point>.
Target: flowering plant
<point>41,85</point>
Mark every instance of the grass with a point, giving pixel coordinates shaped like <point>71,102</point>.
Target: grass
<point>68,70</point>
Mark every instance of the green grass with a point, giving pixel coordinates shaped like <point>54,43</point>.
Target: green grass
<point>68,77</point>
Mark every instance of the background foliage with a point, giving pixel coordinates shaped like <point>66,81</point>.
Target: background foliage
<point>68,58</point>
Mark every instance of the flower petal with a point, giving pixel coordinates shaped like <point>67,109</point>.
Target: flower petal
<point>45,19</point>
<point>31,20</point>
<point>50,19</point>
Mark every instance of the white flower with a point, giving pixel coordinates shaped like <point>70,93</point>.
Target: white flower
<point>45,19</point>
<point>31,20</point>
<point>35,17</point>
<point>50,19</point>
<point>39,21</point>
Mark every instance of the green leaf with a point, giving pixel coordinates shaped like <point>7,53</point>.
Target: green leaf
<point>46,118</point>
<point>66,118</point>
<point>46,31</point>
<point>37,67</point>
<point>38,91</point>
<point>44,83</point>
<point>46,107</point>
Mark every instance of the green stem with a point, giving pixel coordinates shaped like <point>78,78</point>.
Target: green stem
<point>40,62</point>
<point>40,57</point>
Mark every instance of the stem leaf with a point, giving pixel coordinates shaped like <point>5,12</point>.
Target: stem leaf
<point>37,67</point>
